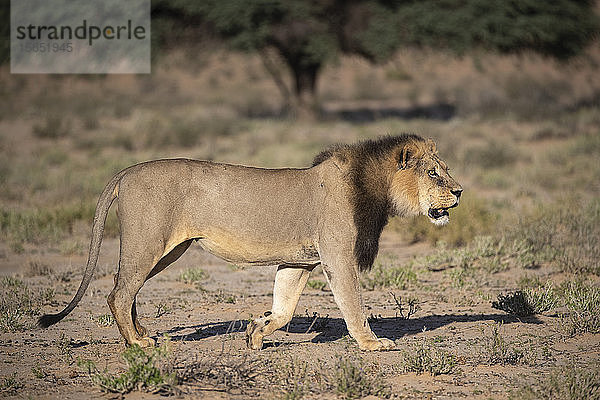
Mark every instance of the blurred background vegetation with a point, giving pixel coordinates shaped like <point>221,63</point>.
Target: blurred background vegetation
<point>510,90</point>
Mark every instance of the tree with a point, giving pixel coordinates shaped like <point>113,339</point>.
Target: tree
<point>306,34</point>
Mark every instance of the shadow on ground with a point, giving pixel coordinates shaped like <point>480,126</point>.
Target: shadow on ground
<point>437,111</point>
<point>331,329</point>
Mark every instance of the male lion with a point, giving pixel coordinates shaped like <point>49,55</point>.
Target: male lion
<point>331,214</point>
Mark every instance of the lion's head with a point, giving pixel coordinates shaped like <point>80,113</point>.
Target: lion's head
<point>421,184</point>
<point>393,175</point>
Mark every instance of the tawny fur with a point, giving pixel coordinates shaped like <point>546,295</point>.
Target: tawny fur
<point>331,214</point>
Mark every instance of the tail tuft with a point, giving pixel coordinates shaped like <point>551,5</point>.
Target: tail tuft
<point>49,319</point>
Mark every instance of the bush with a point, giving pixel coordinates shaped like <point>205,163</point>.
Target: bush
<point>527,302</point>
<point>583,303</point>
<point>352,382</point>
<point>425,357</point>
<point>145,372</point>
<point>18,302</point>
<point>572,382</point>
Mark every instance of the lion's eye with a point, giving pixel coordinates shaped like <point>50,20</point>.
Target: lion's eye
<point>432,173</point>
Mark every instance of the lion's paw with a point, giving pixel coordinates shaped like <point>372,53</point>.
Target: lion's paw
<point>254,334</point>
<point>144,342</point>
<point>379,344</point>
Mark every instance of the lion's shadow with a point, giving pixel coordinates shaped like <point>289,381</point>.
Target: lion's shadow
<point>331,329</point>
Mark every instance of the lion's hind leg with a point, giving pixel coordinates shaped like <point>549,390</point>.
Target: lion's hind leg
<point>164,262</point>
<point>135,264</point>
<point>289,283</point>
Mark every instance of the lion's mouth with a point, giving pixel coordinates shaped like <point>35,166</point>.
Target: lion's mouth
<point>441,213</point>
<point>437,213</point>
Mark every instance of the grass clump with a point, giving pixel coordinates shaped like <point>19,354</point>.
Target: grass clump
<point>192,275</point>
<point>316,284</point>
<point>566,235</point>
<point>145,372</point>
<point>104,320</point>
<point>223,373</point>
<point>40,226</point>
<point>18,303</point>
<point>583,304</point>
<point>10,385</point>
<point>352,382</point>
<point>426,357</point>
<point>529,301</point>
<point>293,379</point>
<point>399,277</point>
<point>498,351</point>
<point>572,382</point>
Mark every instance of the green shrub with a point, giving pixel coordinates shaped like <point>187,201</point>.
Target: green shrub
<point>43,225</point>
<point>527,302</point>
<point>426,357</point>
<point>571,382</point>
<point>192,275</point>
<point>583,304</point>
<point>316,284</point>
<point>351,381</point>
<point>399,277</point>
<point>498,351</point>
<point>145,372</point>
<point>18,304</point>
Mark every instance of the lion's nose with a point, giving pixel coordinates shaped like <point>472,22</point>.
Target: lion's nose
<point>457,192</point>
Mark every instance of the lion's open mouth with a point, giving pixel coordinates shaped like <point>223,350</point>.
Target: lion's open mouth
<point>437,213</point>
<point>440,216</point>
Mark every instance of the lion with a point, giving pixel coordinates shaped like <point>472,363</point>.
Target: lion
<point>331,214</point>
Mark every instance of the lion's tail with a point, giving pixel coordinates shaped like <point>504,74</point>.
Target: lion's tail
<point>104,202</point>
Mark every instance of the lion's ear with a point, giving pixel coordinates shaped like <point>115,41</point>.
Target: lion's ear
<point>408,156</point>
<point>431,146</point>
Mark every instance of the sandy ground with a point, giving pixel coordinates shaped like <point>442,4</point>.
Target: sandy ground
<point>210,323</point>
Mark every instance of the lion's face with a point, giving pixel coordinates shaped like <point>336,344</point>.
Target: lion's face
<point>422,184</point>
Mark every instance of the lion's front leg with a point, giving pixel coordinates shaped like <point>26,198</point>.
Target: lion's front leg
<point>289,283</point>
<point>345,286</point>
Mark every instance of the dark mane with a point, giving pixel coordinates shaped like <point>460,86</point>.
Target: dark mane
<point>369,196</point>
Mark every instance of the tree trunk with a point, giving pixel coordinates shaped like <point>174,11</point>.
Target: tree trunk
<point>305,104</point>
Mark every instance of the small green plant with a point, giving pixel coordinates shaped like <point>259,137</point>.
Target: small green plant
<point>316,284</point>
<point>64,344</point>
<point>10,385</point>
<point>583,305</point>
<point>18,303</point>
<point>497,350</point>
<point>398,277</point>
<point>145,372</point>
<point>105,320</point>
<point>38,372</point>
<point>527,302</point>
<point>293,379</point>
<point>192,275</point>
<point>427,357</point>
<point>571,382</point>
<point>351,381</point>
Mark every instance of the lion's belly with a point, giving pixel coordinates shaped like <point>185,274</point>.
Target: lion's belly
<point>249,251</point>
